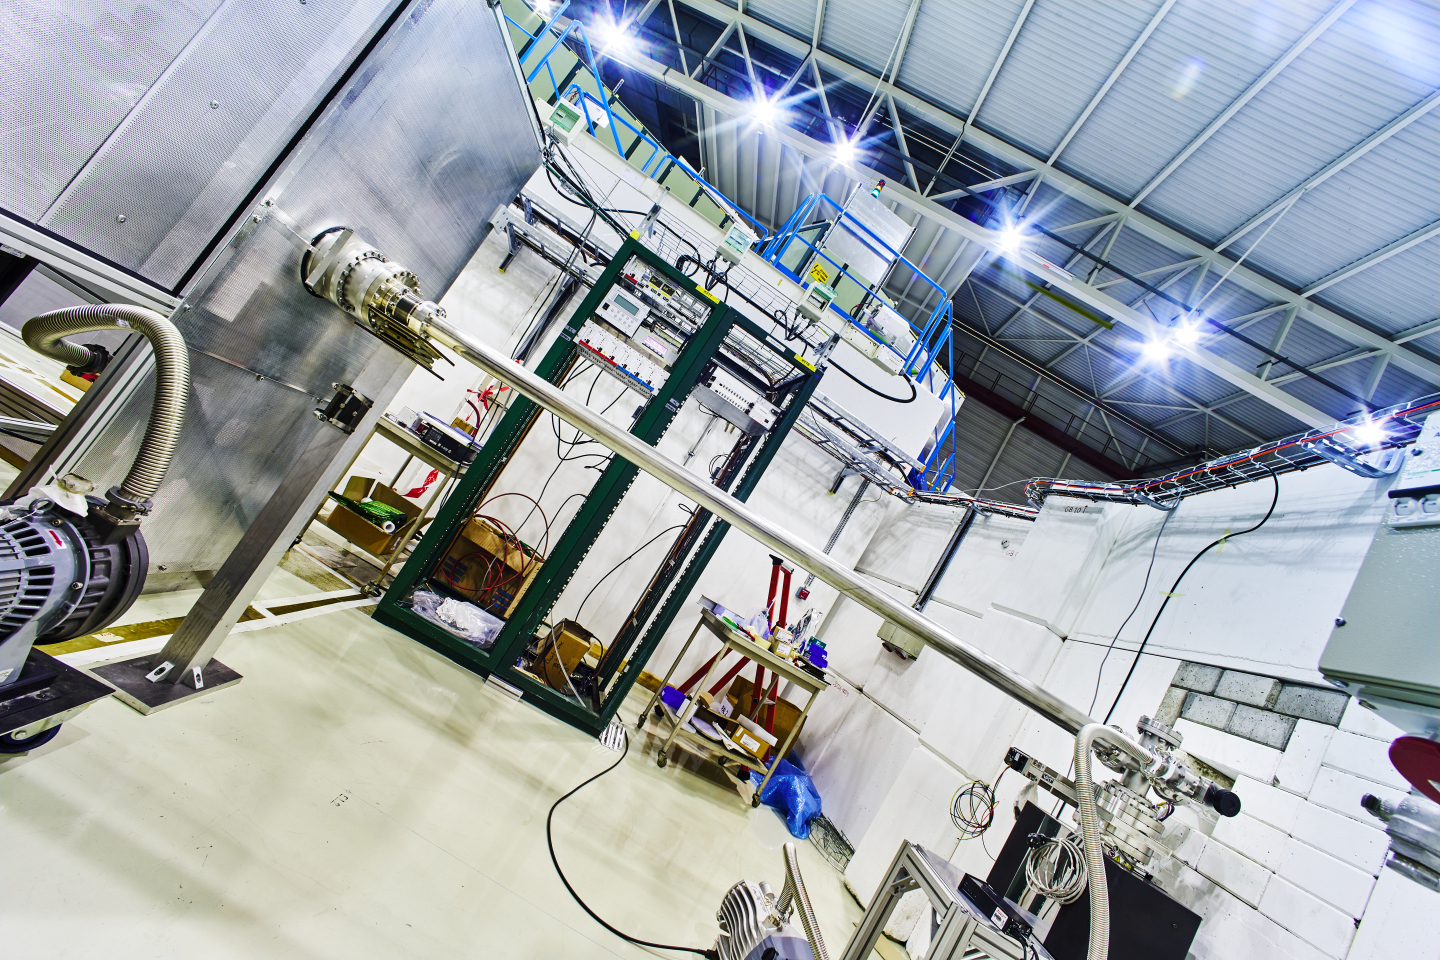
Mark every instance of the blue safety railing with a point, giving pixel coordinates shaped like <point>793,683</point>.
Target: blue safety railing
<point>932,340</point>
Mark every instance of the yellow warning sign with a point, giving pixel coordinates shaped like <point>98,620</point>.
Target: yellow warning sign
<point>818,272</point>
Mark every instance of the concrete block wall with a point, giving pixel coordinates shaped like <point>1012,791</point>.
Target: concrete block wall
<point>1303,853</point>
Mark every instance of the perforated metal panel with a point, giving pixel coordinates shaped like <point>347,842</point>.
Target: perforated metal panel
<point>69,74</point>
<point>182,160</point>
<point>430,135</point>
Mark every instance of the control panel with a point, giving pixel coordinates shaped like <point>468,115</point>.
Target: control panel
<point>1415,497</point>
<point>641,325</point>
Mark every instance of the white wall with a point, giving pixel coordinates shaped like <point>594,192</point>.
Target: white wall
<point>1296,873</point>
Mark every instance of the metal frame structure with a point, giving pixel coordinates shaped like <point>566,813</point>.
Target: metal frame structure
<point>672,585</point>
<point>823,75</point>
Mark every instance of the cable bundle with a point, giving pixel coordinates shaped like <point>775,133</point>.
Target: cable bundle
<point>1055,868</point>
<point>972,809</point>
<point>499,580</point>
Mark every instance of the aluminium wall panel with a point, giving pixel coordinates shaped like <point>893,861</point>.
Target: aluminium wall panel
<point>181,162</point>
<point>417,154</point>
<point>71,73</point>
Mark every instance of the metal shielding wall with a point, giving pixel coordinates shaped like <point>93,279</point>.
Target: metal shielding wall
<point>170,141</point>
<point>416,151</point>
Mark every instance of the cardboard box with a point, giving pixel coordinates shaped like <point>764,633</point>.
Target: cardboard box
<point>561,651</point>
<point>470,567</point>
<point>787,715</point>
<point>359,530</point>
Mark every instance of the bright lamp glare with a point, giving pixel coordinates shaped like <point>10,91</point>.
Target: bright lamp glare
<point>1010,239</point>
<point>1186,333</point>
<point>1156,350</point>
<point>613,38</point>
<point>1369,433</point>
<point>764,111</point>
<point>845,151</point>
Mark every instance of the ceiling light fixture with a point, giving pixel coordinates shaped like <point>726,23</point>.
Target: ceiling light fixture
<point>1369,433</point>
<point>764,111</point>
<point>1187,333</point>
<point>1156,350</point>
<point>1010,239</point>
<point>845,151</point>
<point>614,39</point>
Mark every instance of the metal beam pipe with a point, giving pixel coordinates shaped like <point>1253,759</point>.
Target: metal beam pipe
<point>767,533</point>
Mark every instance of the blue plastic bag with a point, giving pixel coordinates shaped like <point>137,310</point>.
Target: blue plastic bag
<point>793,793</point>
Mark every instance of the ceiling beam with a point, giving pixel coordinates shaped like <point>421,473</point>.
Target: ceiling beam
<point>1297,48</point>
<point>1379,256</point>
<point>907,29</point>
<point>990,239</point>
<point>984,90</point>
<point>1336,165</point>
<point>1094,197</point>
<point>904,147</point>
<point>1419,330</point>
<point>1110,80</point>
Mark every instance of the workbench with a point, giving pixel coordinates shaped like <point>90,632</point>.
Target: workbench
<point>734,640</point>
<point>416,449</point>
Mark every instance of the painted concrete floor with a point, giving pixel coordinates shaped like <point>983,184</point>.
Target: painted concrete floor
<point>358,796</point>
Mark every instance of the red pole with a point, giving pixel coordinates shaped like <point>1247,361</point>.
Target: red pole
<point>785,599</point>
<point>775,565</point>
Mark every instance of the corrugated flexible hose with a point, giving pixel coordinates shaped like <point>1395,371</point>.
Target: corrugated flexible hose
<point>1090,827</point>
<point>794,892</point>
<point>1090,831</point>
<point>46,334</point>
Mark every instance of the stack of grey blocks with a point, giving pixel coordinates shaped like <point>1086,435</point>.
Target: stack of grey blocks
<point>1258,708</point>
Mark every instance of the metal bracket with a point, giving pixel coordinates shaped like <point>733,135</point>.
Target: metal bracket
<point>345,410</point>
<point>1343,456</point>
<point>158,674</point>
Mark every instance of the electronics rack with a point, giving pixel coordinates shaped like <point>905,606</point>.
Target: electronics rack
<point>651,327</point>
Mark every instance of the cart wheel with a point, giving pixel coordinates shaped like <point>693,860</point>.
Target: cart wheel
<point>9,743</point>
<point>755,800</point>
<point>662,761</point>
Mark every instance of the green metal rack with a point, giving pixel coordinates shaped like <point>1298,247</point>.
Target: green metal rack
<point>658,605</point>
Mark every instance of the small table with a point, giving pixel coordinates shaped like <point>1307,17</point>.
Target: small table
<point>733,639</point>
<point>416,449</point>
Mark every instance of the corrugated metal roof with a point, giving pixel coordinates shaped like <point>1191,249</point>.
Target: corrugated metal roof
<point>793,16</point>
<point>1386,194</point>
<point>1077,44</point>
<point>1275,141</point>
<point>1397,294</point>
<point>1200,58</point>
<point>863,31</point>
<point>953,47</point>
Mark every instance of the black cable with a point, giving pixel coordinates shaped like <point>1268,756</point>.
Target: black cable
<point>580,609</point>
<point>1138,600</point>
<point>1171,592</point>
<point>884,396</point>
<point>550,842</point>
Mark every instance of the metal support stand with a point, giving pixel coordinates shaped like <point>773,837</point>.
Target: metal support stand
<point>963,929</point>
<point>188,652</point>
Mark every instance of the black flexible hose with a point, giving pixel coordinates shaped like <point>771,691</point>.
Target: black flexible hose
<point>550,842</point>
<point>884,396</point>
<point>1171,592</point>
